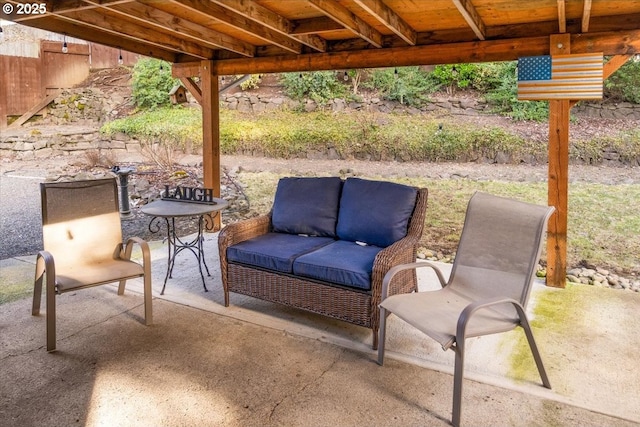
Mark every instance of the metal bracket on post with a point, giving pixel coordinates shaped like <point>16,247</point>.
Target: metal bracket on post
<point>123,176</point>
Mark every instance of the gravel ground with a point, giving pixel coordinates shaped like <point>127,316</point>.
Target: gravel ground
<point>20,222</point>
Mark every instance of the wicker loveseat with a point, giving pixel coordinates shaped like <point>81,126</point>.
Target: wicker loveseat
<point>325,246</point>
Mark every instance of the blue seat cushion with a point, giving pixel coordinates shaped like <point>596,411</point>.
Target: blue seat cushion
<point>307,206</point>
<point>375,212</point>
<point>274,251</point>
<point>342,262</point>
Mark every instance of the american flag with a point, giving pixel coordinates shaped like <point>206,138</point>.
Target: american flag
<point>560,77</point>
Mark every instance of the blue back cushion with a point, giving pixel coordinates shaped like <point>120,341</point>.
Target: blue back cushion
<point>375,212</point>
<point>307,206</point>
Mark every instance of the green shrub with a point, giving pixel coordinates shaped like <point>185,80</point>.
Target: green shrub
<point>624,84</point>
<point>463,76</point>
<point>407,85</point>
<point>321,86</point>
<point>152,83</point>
<point>253,82</point>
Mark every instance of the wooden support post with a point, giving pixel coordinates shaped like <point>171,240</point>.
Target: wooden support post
<point>3,93</point>
<point>210,131</point>
<point>558,185</point>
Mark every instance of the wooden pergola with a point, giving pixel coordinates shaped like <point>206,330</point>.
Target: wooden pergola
<point>209,38</point>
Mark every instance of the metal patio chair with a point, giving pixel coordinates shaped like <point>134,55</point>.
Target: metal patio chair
<point>489,285</point>
<point>83,246</point>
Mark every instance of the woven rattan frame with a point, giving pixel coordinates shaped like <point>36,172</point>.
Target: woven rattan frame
<point>339,302</point>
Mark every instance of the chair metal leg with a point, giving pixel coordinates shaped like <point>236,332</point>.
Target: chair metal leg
<point>458,376</point>
<point>37,286</point>
<point>534,350</point>
<point>148,308</point>
<point>148,296</point>
<point>382,335</point>
<point>51,315</point>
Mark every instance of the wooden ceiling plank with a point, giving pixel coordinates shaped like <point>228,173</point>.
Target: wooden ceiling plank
<point>348,20</point>
<point>260,14</point>
<point>64,6</point>
<point>183,28</point>
<point>390,19</point>
<point>562,17</point>
<point>319,25</point>
<point>471,16</point>
<point>116,26</point>
<point>239,22</point>
<point>586,15</point>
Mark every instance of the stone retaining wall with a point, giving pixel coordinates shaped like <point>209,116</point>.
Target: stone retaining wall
<point>72,140</point>
<point>80,112</point>
<point>250,103</point>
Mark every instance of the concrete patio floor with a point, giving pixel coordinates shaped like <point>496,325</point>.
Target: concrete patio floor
<point>260,364</point>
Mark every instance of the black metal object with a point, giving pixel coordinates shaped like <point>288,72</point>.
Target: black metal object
<point>123,177</point>
<point>176,245</point>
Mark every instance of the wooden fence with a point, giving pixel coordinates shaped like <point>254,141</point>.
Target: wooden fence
<point>26,82</point>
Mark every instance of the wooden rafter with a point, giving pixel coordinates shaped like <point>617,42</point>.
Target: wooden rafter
<point>179,28</point>
<point>236,21</point>
<point>470,14</point>
<point>562,17</point>
<point>389,18</point>
<point>260,14</point>
<point>348,20</point>
<point>586,15</point>
<point>57,25</point>
<point>111,22</point>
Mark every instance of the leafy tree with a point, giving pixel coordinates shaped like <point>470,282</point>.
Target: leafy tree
<point>152,83</point>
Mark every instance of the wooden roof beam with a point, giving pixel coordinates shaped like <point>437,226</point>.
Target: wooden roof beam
<point>254,11</point>
<point>390,19</point>
<point>610,43</point>
<point>586,15</point>
<point>562,17</point>
<point>119,27</point>
<point>348,20</point>
<point>182,28</point>
<point>239,22</point>
<point>470,14</point>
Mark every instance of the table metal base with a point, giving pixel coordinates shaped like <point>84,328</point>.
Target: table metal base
<point>175,245</point>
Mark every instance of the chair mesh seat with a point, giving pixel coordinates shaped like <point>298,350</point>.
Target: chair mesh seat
<point>107,271</point>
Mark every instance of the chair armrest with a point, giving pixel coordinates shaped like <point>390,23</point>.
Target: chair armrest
<point>144,247</point>
<point>244,230</point>
<point>238,232</point>
<point>414,265</point>
<point>45,269</point>
<point>472,308</point>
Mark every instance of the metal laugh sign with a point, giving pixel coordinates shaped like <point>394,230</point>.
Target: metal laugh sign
<point>189,195</point>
